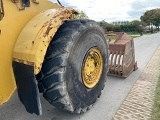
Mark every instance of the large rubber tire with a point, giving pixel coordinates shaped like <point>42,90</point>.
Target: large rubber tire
<point>60,79</point>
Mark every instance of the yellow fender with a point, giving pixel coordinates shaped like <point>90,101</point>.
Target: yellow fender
<point>10,27</point>
<point>33,41</point>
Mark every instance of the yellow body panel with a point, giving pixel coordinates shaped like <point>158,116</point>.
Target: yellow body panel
<point>34,39</point>
<point>10,28</point>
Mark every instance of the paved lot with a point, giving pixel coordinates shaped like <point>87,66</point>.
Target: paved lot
<point>112,97</point>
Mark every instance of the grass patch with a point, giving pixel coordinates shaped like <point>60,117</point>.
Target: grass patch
<point>135,36</point>
<point>156,106</point>
<point>112,37</point>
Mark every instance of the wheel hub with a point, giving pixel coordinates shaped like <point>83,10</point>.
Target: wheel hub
<point>92,67</point>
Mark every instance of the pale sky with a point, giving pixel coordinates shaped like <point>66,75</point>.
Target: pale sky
<point>112,10</point>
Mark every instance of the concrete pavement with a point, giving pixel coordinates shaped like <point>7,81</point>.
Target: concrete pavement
<point>113,95</point>
<point>139,102</point>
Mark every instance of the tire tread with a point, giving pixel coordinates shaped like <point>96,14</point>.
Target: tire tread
<point>57,54</point>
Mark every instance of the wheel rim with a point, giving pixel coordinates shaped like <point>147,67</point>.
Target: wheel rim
<point>92,67</point>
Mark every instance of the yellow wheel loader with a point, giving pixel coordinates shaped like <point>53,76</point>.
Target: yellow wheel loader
<point>45,48</point>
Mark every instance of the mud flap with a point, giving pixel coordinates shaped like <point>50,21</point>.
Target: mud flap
<point>27,87</point>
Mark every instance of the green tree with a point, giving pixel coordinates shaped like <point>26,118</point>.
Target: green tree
<point>82,14</point>
<point>135,22</point>
<point>116,28</point>
<point>134,26</point>
<point>106,26</point>
<point>152,16</point>
<point>137,25</point>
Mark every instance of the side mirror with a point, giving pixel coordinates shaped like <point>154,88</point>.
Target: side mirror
<point>1,10</point>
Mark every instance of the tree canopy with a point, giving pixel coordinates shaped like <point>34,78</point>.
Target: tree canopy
<point>151,17</point>
<point>133,27</point>
<point>82,14</point>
